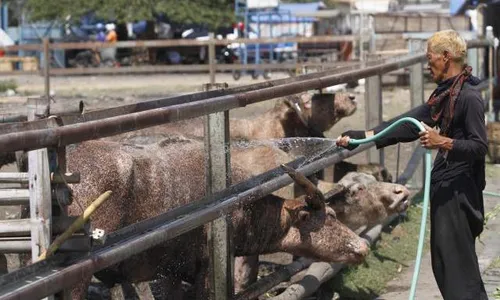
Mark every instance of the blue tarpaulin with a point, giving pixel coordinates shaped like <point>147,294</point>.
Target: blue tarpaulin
<point>286,13</point>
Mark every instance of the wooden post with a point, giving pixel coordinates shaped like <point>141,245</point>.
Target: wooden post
<point>417,98</point>
<point>46,67</point>
<point>373,104</point>
<point>218,176</point>
<point>211,57</point>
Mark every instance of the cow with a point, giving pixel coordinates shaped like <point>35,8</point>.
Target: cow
<point>148,180</point>
<point>299,115</point>
<point>358,199</point>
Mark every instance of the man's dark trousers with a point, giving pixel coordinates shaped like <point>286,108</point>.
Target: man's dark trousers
<point>456,221</point>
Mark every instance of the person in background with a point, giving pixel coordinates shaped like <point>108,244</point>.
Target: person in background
<point>458,176</point>
<point>108,54</point>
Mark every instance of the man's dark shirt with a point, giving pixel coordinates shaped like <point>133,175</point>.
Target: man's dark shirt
<point>467,129</point>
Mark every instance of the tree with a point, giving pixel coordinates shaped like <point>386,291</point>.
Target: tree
<point>213,13</point>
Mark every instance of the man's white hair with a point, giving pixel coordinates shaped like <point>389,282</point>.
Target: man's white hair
<point>451,42</point>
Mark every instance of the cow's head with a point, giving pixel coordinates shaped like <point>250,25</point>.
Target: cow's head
<point>359,200</point>
<point>314,230</point>
<point>326,109</point>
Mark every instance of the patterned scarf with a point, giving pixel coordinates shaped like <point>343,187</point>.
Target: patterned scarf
<point>437,101</point>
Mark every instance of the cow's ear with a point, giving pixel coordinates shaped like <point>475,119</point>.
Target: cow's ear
<point>305,98</point>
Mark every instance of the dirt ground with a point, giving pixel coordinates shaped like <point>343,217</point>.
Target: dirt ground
<point>107,91</point>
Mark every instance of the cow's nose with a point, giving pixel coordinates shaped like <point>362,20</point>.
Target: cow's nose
<point>401,190</point>
<point>363,249</point>
<point>352,97</point>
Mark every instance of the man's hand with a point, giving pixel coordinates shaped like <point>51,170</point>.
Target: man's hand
<point>343,140</point>
<point>430,139</point>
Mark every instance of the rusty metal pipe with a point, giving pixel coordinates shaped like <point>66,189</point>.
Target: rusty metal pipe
<point>8,118</point>
<point>164,102</point>
<point>66,135</point>
<point>52,277</point>
<point>478,43</point>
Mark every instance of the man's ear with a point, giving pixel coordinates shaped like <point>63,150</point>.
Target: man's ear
<point>446,56</point>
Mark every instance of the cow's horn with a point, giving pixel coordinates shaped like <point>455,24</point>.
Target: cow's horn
<point>314,197</point>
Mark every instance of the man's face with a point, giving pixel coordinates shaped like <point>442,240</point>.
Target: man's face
<point>437,64</point>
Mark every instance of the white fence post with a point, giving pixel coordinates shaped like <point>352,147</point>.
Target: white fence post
<point>39,188</point>
<point>373,104</point>
<point>417,98</point>
<point>217,153</point>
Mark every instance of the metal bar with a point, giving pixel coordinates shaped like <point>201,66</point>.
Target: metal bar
<point>490,37</point>
<point>46,67</point>
<point>42,279</point>
<point>19,177</point>
<point>162,102</point>
<point>211,57</point>
<point>373,113</point>
<point>218,178</point>
<point>13,177</point>
<point>22,227</point>
<point>182,68</point>
<point>186,43</point>
<point>417,98</point>
<point>8,118</point>
<point>77,243</point>
<point>70,134</point>
<point>14,197</point>
<point>472,60</point>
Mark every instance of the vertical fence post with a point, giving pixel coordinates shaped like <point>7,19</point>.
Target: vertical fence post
<point>417,98</point>
<point>490,37</point>
<point>472,60</point>
<point>481,32</point>
<point>39,188</point>
<point>46,67</point>
<point>211,57</point>
<point>218,176</point>
<point>373,104</point>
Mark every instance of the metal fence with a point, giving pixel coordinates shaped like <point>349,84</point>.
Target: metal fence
<point>60,272</point>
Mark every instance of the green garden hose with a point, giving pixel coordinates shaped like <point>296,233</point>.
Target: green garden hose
<point>427,183</point>
<point>428,167</point>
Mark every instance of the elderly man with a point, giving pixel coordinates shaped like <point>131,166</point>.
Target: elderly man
<point>458,175</point>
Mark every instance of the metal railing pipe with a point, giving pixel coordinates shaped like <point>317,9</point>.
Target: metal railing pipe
<point>167,101</point>
<point>66,135</point>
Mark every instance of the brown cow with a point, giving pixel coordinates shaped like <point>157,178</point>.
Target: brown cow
<point>358,199</point>
<point>152,179</point>
<point>299,115</point>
